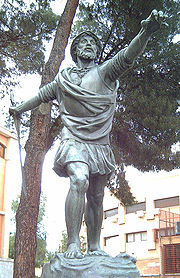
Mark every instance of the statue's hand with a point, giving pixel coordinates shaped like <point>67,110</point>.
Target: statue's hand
<point>154,22</point>
<point>13,111</point>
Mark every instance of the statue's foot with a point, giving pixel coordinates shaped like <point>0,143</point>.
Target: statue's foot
<point>73,252</point>
<point>96,252</point>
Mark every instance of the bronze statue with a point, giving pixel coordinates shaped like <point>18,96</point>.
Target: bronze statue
<point>86,95</point>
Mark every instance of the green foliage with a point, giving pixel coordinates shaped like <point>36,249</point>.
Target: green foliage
<point>83,244</point>
<point>63,244</point>
<point>23,29</point>
<point>49,256</point>
<point>146,123</point>
<point>14,207</point>
<point>120,188</point>
<point>11,245</point>
<point>42,254</point>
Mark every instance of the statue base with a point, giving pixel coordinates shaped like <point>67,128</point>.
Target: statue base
<point>121,266</point>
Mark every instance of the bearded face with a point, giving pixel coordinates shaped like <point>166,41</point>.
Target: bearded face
<point>87,48</point>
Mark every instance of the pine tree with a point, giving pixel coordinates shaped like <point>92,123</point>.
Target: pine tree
<point>41,251</point>
<point>24,27</point>
<point>120,188</point>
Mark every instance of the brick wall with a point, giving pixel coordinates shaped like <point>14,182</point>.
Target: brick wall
<point>149,266</point>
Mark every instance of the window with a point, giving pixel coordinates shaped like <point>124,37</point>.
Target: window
<point>136,207</point>
<point>171,258</point>
<point>130,238</point>
<point>135,237</point>
<point>109,239</point>
<point>143,236</point>
<point>2,150</point>
<point>167,202</point>
<point>110,212</point>
<point>164,232</point>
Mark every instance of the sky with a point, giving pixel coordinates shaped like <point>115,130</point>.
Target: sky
<point>55,188</point>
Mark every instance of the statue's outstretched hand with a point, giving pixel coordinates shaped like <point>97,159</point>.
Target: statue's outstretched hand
<point>13,111</point>
<point>154,22</point>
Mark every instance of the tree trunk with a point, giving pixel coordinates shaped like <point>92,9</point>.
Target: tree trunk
<point>36,148</point>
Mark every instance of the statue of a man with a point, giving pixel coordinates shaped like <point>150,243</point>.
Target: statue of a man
<point>87,99</point>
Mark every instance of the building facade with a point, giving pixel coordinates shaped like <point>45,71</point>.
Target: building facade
<point>148,230</point>
<point>9,165</point>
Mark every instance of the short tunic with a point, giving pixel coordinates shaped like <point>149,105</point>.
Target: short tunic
<point>98,157</point>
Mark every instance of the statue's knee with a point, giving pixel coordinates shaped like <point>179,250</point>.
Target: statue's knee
<point>79,177</point>
<point>80,183</point>
<point>99,199</point>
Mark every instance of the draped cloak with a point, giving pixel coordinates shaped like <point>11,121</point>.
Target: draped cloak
<point>85,113</point>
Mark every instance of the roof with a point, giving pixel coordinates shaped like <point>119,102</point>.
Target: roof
<point>7,133</point>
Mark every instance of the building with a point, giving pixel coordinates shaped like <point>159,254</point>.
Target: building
<point>9,179</point>
<point>148,230</point>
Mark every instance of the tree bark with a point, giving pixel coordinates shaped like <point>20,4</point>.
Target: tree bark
<point>36,148</point>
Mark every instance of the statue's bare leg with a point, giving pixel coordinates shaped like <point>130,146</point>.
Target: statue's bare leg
<point>75,205</point>
<point>94,213</point>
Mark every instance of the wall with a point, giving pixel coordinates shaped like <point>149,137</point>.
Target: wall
<point>10,182</point>
<point>149,266</point>
<point>6,268</point>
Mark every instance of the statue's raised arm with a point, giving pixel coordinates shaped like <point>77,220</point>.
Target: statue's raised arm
<point>149,26</point>
<point>124,58</point>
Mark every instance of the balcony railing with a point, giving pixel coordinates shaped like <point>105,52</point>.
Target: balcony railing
<point>167,223</point>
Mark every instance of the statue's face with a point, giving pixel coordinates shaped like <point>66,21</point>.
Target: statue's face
<point>87,48</point>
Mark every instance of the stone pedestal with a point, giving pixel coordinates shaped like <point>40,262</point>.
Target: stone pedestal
<point>122,266</point>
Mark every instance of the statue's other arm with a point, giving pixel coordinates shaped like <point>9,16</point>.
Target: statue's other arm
<point>124,59</point>
<point>46,93</point>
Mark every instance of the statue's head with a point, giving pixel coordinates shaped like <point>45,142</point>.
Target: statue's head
<point>86,45</point>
